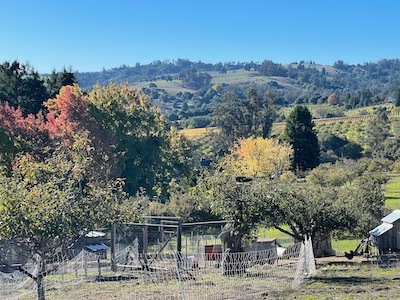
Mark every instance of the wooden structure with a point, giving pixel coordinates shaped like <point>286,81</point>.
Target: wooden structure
<point>322,245</point>
<point>386,237</point>
<point>263,244</point>
<point>93,242</point>
<point>10,255</point>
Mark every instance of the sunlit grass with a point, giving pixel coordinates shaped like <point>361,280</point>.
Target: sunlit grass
<point>392,192</point>
<point>192,133</point>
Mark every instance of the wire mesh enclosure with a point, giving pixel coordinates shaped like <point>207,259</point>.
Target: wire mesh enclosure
<point>166,274</point>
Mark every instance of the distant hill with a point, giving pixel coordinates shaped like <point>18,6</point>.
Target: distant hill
<point>187,91</point>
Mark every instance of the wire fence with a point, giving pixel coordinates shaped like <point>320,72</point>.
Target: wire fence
<point>164,275</point>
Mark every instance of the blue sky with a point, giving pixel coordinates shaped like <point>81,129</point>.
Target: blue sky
<point>88,35</point>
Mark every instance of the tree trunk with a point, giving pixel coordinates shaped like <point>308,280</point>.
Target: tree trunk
<point>40,279</point>
<point>40,287</point>
<point>233,264</point>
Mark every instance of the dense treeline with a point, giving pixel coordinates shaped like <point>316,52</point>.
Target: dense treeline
<point>22,86</point>
<point>299,82</point>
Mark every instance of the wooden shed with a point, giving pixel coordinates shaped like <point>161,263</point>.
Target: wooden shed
<point>386,237</point>
<point>93,241</point>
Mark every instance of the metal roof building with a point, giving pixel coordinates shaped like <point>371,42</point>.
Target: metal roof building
<point>387,235</point>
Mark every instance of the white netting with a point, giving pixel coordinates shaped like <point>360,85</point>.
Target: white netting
<point>246,275</point>
<point>305,264</point>
<point>17,285</point>
<point>166,275</point>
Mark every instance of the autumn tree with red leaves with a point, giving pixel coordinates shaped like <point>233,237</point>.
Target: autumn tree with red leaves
<point>125,136</point>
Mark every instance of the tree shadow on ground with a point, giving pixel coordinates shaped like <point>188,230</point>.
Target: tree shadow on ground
<point>348,280</point>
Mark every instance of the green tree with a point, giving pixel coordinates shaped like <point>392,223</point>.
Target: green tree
<point>300,133</point>
<point>21,86</point>
<point>397,97</point>
<point>57,80</point>
<point>311,210</point>
<point>242,118</point>
<point>232,200</point>
<point>376,133</point>
<point>44,207</point>
<point>144,149</point>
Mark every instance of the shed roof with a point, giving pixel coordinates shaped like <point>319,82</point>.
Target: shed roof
<point>392,217</point>
<point>96,247</point>
<point>94,234</point>
<point>381,229</point>
<point>265,240</point>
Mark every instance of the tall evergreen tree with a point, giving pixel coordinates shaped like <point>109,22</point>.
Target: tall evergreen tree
<point>21,86</point>
<point>376,133</point>
<point>57,80</point>
<point>299,132</point>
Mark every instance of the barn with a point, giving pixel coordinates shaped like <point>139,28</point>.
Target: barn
<point>386,237</point>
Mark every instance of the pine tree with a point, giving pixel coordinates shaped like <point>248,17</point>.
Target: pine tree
<point>299,132</point>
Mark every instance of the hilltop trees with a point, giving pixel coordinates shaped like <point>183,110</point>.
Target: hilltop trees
<point>269,68</point>
<point>241,118</point>
<point>194,80</point>
<point>299,132</point>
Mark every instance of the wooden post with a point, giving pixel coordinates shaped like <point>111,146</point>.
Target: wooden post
<point>113,246</point>
<point>179,236</point>
<point>145,239</point>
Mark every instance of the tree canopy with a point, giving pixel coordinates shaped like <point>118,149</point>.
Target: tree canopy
<point>22,86</point>
<point>258,157</point>
<point>128,137</point>
<point>299,132</point>
<point>242,118</point>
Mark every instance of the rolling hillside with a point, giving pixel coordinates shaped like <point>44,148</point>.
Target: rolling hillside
<point>187,92</point>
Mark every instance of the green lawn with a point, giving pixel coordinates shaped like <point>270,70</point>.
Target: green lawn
<point>392,192</point>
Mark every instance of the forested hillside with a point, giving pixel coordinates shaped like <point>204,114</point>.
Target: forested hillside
<point>188,92</point>
<point>74,159</point>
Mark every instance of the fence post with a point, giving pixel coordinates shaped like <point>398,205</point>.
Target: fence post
<point>179,276</point>
<point>113,245</point>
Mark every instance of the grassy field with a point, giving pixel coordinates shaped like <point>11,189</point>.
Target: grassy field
<point>172,87</point>
<point>351,280</point>
<point>230,77</point>
<point>192,133</point>
<point>392,192</point>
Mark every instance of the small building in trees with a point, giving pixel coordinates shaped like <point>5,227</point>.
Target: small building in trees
<point>93,241</point>
<point>386,237</point>
<point>11,254</point>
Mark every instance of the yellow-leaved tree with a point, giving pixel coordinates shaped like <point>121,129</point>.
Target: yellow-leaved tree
<point>258,157</point>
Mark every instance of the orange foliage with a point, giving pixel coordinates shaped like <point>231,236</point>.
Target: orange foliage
<point>66,112</point>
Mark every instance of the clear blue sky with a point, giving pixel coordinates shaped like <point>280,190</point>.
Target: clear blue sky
<point>89,35</point>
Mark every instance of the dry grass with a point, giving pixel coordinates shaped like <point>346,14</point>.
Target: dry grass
<point>192,133</point>
<point>340,279</point>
